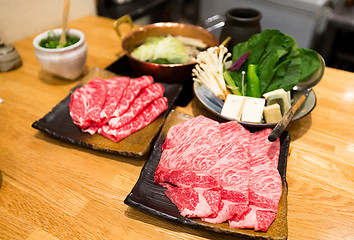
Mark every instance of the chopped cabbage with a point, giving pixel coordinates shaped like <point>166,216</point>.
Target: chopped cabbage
<point>165,50</point>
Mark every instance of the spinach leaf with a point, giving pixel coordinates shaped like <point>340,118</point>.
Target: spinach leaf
<point>239,50</point>
<point>277,47</point>
<point>311,63</point>
<point>288,69</point>
<point>281,63</point>
<point>258,44</point>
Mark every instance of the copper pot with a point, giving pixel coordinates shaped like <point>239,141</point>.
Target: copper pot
<point>170,73</point>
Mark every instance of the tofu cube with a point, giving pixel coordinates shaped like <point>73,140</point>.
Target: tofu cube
<point>233,107</point>
<point>280,97</point>
<point>253,110</point>
<point>272,113</point>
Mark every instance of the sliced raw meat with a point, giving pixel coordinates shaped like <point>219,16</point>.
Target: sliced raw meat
<point>235,169</point>
<point>185,178</point>
<point>96,96</point>
<point>195,202</point>
<point>227,161</point>
<point>131,92</point>
<point>195,195</point>
<point>77,109</point>
<point>188,152</point>
<point>190,146</point>
<point>86,103</point>
<point>149,114</point>
<point>236,132</point>
<point>199,128</point>
<point>265,185</point>
<point>232,171</point>
<point>145,97</point>
<point>115,90</point>
<point>93,105</point>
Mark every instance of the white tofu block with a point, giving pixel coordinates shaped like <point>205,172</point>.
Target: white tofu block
<point>253,110</point>
<point>233,107</point>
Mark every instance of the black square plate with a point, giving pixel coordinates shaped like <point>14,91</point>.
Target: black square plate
<point>58,124</point>
<point>149,197</point>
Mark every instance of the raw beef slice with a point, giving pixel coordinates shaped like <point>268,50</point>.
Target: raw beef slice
<point>232,171</point>
<point>265,183</point>
<point>189,151</point>
<point>115,88</point>
<point>134,102</point>
<point>86,103</point>
<point>221,172</point>
<point>144,118</point>
<point>145,97</point>
<point>133,89</point>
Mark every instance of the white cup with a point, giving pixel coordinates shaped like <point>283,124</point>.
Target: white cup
<point>67,62</point>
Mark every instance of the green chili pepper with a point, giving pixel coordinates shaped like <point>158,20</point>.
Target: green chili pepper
<point>253,85</point>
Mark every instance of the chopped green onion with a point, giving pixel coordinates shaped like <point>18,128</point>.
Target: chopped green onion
<point>230,83</point>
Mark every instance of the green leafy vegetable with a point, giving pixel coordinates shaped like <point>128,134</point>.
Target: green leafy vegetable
<point>309,66</point>
<point>167,50</point>
<point>52,41</point>
<point>281,64</point>
<point>287,71</point>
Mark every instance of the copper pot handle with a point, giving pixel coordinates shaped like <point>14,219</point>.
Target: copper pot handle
<point>119,21</point>
<point>214,22</point>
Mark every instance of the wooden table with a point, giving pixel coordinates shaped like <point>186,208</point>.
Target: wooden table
<point>54,190</point>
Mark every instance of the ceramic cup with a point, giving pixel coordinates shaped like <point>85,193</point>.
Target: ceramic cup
<point>240,25</point>
<point>67,62</point>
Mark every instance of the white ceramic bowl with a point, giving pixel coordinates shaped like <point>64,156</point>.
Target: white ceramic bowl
<point>67,62</point>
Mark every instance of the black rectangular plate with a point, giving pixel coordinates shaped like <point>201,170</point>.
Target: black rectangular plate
<point>149,197</point>
<point>58,124</point>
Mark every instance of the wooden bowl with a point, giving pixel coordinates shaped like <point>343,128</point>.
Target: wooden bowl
<point>170,73</point>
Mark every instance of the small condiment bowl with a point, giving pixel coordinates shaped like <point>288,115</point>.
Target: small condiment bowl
<point>170,73</point>
<point>67,62</point>
<point>9,58</point>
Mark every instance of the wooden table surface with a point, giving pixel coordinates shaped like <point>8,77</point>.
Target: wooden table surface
<point>54,190</point>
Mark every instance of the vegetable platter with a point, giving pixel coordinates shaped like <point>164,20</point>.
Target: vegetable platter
<point>254,84</point>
